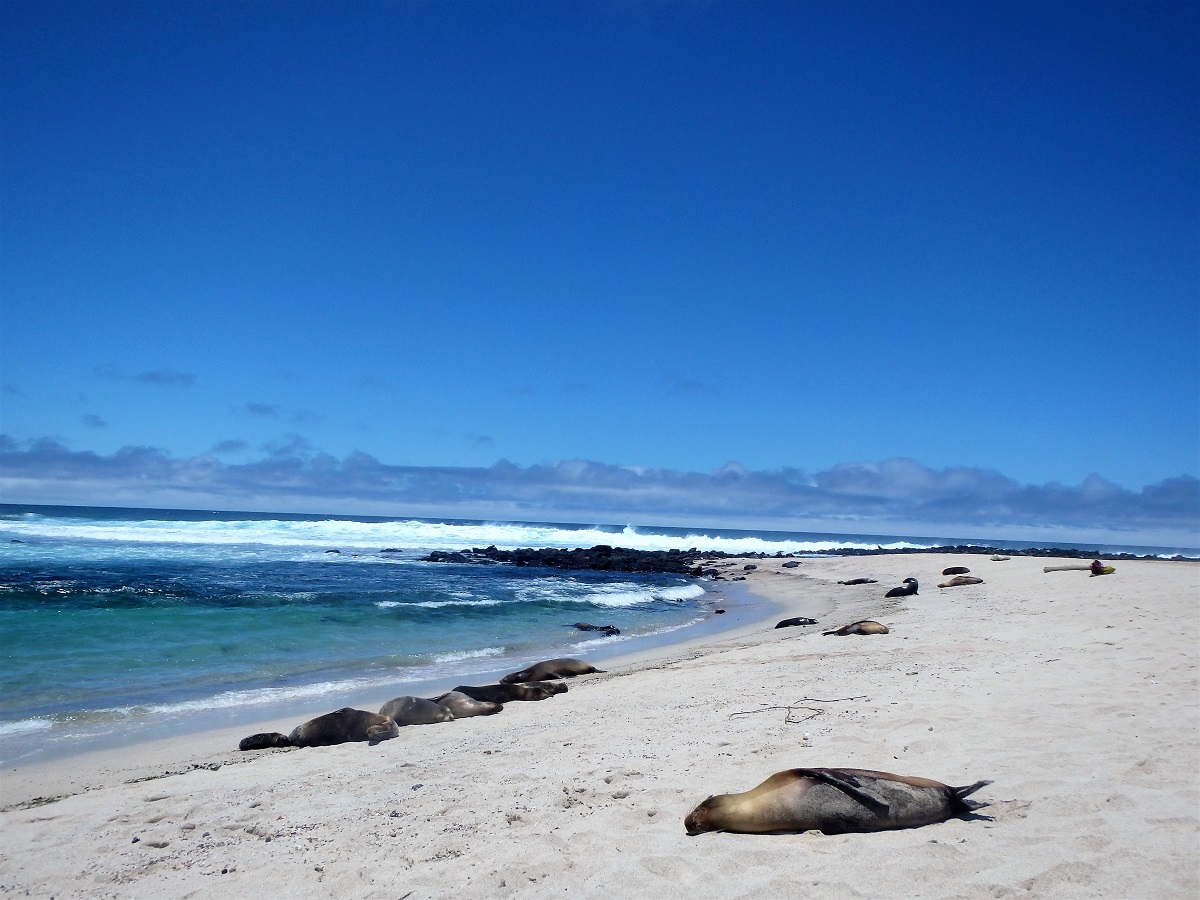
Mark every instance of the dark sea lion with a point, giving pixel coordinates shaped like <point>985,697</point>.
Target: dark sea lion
<point>835,801</point>
<point>345,725</point>
<point>264,740</point>
<point>505,693</point>
<point>866,626</point>
<point>463,707</point>
<point>550,668</point>
<point>961,579</point>
<point>791,565</point>
<point>910,587</point>
<point>609,630</point>
<point>955,570</point>
<point>798,620</point>
<point>415,711</point>
<point>859,581</point>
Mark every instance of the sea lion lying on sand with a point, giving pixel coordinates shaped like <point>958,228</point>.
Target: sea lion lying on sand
<point>859,581</point>
<point>834,801</point>
<point>955,570</point>
<point>609,630</point>
<point>264,740</point>
<point>339,727</point>
<point>961,579</point>
<point>463,707</point>
<point>550,668</point>
<point>504,693</point>
<point>798,620</point>
<point>866,626</point>
<point>910,587</point>
<point>415,711</point>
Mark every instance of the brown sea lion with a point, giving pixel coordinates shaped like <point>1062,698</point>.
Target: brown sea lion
<point>332,728</point>
<point>961,579</point>
<point>548,669</point>
<point>864,627</point>
<point>415,711</point>
<point>835,801</point>
<point>463,707</point>
<point>504,693</point>
<point>955,570</point>
<point>909,588</point>
<point>860,581</point>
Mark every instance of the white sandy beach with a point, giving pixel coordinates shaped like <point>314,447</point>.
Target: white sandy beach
<point>1077,696</point>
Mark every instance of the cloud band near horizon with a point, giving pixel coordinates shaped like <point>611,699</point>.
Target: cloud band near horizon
<point>899,496</point>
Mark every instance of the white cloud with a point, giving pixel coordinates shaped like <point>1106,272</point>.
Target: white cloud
<point>892,496</point>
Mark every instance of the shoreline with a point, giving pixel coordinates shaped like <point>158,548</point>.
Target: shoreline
<point>1075,695</point>
<point>211,738</point>
<point>744,609</point>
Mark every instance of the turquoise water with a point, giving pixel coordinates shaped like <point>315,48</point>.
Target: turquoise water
<point>115,618</point>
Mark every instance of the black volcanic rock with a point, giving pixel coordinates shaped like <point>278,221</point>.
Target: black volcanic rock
<point>601,558</point>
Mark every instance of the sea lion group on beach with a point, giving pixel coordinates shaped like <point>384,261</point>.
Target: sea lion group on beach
<point>830,800</point>
<point>348,724</point>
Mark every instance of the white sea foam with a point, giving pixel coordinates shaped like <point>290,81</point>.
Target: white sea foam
<point>468,654</point>
<point>619,594</point>
<point>412,534</point>
<point>257,697</point>
<point>25,726</point>
<point>438,604</point>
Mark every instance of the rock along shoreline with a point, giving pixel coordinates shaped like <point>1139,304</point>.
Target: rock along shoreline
<point>694,562</point>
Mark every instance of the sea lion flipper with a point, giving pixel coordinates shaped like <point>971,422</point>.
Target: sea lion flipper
<point>846,782</point>
<point>961,793</point>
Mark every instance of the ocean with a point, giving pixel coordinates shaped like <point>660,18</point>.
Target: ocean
<point>122,624</point>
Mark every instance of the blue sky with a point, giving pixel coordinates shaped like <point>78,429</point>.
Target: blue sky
<point>799,238</point>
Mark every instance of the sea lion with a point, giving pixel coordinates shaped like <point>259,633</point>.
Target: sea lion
<point>264,740</point>
<point>345,725</point>
<point>791,565</point>
<point>961,579</point>
<point>835,801</point>
<point>609,630</point>
<point>1000,558</point>
<point>955,570</point>
<point>866,626</point>
<point>415,711</point>
<point>859,581</point>
<point>332,728</point>
<point>798,620</point>
<point>463,707</point>
<point>504,693</point>
<point>550,668</point>
<point>909,588</point>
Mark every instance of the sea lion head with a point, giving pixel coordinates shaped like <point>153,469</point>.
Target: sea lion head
<point>541,690</point>
<point>383,732</point>
<point>701,819</point>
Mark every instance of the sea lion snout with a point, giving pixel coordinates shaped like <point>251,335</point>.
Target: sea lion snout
<point>696,821</point>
